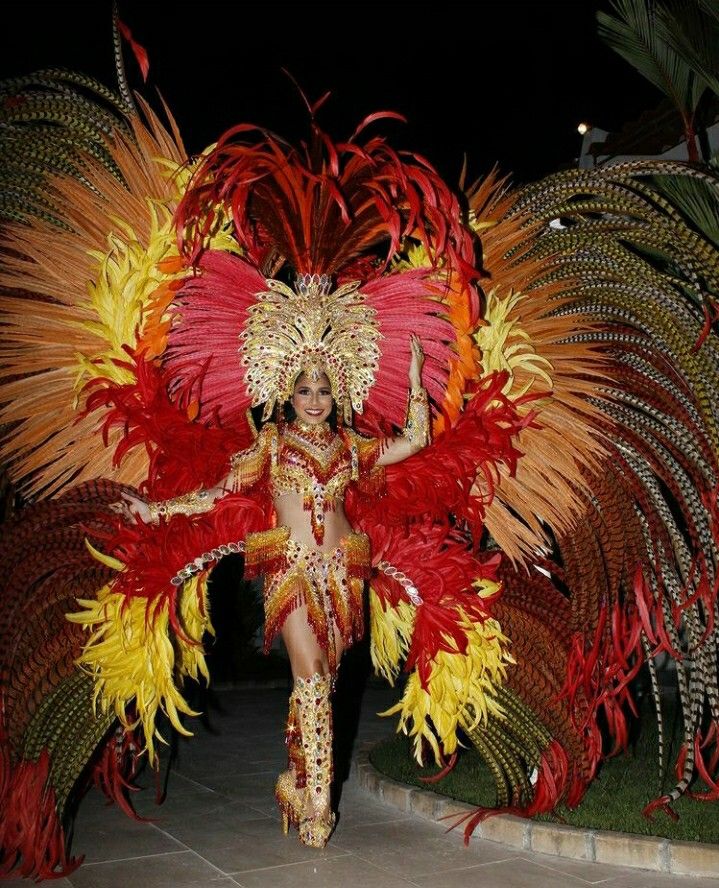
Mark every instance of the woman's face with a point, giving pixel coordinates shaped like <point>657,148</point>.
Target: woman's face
<point>312,400</point>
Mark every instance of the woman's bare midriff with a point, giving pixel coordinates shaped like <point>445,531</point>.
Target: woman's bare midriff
<point>292,513</point>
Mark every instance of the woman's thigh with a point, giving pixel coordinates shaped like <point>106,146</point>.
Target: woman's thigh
<point>306,655</point>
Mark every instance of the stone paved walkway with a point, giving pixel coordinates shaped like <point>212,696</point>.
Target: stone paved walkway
<point>219,826</point>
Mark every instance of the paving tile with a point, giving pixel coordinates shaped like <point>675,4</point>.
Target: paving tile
<point>26,883</point>
<point>109,834</point>
<point>231,784</point>
<point>327,873</point>
<point>180,799</point>
<point>259,844</point>
<point>358,808</point>
<point>216,829</point>
<point>412,847</point>
<point>362,815</point>
<point>222,882</point>
<point>510,873</point>
<point>180,869</point>
<point>591,873</point>
<point>228,767</point>
<point>218,762</point>
<point>219,882</point>
<point>249,854</point>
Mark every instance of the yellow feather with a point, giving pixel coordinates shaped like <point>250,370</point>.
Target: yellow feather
<point>390,635</point>
<point>195,621</point>
<point>133,654</point>
<point>107,560</point>
<point>506,346</point>
<point>130,656</point>
<point>460,693</point>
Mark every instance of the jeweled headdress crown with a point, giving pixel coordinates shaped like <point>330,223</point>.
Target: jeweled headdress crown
<point>311,329</point>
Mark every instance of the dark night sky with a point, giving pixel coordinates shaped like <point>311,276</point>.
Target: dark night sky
<point>506,82</point>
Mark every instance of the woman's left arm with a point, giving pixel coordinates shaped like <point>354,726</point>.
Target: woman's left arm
<point>416,434</point>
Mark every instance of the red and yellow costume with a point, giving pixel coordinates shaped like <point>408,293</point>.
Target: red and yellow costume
<point>557,535</point>
<point>319,464</point>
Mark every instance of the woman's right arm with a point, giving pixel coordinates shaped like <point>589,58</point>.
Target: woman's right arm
<point>194,503</point>
<point>247,468</point>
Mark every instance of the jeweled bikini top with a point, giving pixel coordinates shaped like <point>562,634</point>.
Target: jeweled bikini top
<point>313,461</point>
<point>310,460</point>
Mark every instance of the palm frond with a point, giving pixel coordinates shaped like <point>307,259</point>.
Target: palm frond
<point>632,32</point>
<point>691,29</point>
<point>697,200</point>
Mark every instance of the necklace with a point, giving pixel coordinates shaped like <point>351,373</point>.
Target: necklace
<point>312,432</point>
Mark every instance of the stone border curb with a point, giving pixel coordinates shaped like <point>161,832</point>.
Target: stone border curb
<point>616,848</point>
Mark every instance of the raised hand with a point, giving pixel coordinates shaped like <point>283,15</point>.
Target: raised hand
<point>415,366</point>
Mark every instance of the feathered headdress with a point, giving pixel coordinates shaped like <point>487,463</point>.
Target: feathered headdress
<point>314,330</point>
<point>325,207</point>
<point>326,211</point>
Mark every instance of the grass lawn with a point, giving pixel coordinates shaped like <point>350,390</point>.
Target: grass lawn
<point>613,802</point>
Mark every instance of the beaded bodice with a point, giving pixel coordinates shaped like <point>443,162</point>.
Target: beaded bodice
<point>315,462</point>
<point>312,461</point>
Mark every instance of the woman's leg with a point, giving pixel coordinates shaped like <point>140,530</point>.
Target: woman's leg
<point>311,700</point>
<point>306,655</point>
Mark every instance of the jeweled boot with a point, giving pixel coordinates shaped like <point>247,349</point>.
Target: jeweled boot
<point>289,788</point>
<point>315,717</point>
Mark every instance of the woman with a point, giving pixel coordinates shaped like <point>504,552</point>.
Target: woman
<point>313,563</point>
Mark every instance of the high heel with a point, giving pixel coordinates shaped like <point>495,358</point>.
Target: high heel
<point>289,788</point>
<point>289,800</point>
<point>315,717</point>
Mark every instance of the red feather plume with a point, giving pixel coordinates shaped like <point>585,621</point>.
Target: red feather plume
<point>440,479</point>
<point>211,311</point>
<point>325,204</point>
<point>31,836</point>
<point>184,454</point>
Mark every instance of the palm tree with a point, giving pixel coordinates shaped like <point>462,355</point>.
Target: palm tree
<point>694,36</point>
<point>675,45</point>
<point>644,33</point>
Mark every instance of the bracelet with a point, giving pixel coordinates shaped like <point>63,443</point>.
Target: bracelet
<point>201,562</point>
<point>187,504</point>
<point>417,428</point>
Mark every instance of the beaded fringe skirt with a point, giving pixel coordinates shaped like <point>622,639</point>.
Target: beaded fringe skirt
<point>330,584</point>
